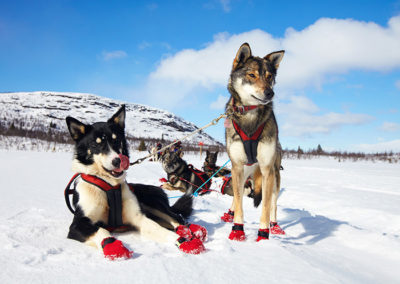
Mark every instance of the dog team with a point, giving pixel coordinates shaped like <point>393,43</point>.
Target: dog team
<point>103,202</point>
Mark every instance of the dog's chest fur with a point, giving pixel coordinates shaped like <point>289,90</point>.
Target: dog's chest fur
<point>94,204</point>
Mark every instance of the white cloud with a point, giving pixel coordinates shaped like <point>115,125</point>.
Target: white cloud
<point>219,103</point>
<point>397,84</point>
<point>327,47</point>
<point>390,127</point>
<point>226,5</point>
<point>301,117</point>
<point>110,55</point>
<point>388,146</point>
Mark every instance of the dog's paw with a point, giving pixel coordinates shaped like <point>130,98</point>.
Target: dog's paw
<point>276,229</point>
<point>263,234</point>
<point>194,246</point>
<point>113,249</point>
<point>184,232</point>
<point>237,233</point>
<point>227,217</point>
<point>199,232</point>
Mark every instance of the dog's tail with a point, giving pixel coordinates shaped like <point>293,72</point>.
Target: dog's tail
<point>184,206</point>
<point>257,177</point>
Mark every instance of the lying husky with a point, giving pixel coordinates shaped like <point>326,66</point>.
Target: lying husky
<point>104,201</point>
<point>252,138</point>
<point>183,177</point>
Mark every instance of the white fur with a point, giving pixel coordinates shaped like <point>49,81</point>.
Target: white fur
<point>246,91</point>
<point>265,153</point>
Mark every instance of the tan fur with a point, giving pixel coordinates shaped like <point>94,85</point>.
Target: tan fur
<point>266,174</point>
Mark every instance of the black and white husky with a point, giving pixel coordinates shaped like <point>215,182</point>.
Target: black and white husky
<point>104,201</point>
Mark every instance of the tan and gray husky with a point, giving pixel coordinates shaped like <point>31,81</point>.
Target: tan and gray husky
<point>252,138</point>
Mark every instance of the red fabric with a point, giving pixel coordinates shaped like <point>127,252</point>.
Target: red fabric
<point>243,109</point>
<point>99,182</point>
<point>228,218</point>
<point>259,238</point>
<point>184,232</point>
<point>237,235</point>
<point>198,232</point>
<point>244,136</point>
<point>116,250</point>
<point>276,229</point>
<point>163,180</point>
<point>194,246</point>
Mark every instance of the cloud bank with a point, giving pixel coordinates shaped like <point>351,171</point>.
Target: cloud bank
<point>327,47</point>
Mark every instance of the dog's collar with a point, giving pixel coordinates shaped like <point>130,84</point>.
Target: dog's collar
<point>243,109</point>
<point>100,183</point>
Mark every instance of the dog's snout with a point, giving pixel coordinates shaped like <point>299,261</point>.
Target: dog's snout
<point>116,162</point>
<point>269,94</point>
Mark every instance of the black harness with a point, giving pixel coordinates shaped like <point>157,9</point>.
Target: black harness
<point>114,198</point>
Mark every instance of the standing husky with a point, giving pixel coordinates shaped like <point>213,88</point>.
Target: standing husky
<point>104,201</point>
<point>252,137</point>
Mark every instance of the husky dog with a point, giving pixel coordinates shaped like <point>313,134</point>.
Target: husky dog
<point>183,177</point>
<point>210,167</point>
<point>252,138</point>
<point>104,201</point>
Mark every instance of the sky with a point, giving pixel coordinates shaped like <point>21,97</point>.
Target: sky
<point>338,84</point>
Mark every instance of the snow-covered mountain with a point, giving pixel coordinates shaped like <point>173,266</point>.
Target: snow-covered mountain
<point>45,112</point>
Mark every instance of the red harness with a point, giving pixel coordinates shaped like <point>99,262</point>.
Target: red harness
<point>113,193</point>
<point>202,176</point>
<point>250,142</point>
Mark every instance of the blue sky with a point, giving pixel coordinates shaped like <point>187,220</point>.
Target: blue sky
<point>338,84</point>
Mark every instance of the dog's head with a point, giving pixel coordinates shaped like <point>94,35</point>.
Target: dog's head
<point>211,158</point>
<point>101,148</point>
<point>252,78</point>
<point>171,162</point>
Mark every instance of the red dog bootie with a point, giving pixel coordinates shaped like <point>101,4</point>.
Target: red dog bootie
<point>184,232</point>
<point>199,232</point>
<point>113,249</point>
<point>276,229</point>
<point>228,217</point>
<point>237,233</point>
<point>194,246</point>
<point>263,234</point>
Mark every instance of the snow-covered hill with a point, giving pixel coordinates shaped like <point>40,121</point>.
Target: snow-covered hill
<point>41,111</point>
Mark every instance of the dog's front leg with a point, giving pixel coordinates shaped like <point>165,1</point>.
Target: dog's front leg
<point>268,183</point>
<point>84,230</point>
<point>237,233</point>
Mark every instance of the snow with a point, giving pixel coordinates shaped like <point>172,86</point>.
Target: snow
<point>38,110</point>
<point>342,222</point>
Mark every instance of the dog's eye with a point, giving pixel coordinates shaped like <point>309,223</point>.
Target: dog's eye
<point>251,75</point>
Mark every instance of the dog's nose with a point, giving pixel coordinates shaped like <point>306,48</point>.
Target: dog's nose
<point>269,94</point>
<point>116,162</point>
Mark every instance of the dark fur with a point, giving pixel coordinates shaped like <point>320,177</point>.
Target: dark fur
<point>210,167</point>
<point>180,176</point>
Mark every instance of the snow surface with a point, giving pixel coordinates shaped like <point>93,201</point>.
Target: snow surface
<point>342,222</point>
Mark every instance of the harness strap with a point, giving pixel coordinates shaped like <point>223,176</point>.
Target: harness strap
<point>100,183</point>
<point>69,191</point>
<point>200,175</point>
<point>250,143</point>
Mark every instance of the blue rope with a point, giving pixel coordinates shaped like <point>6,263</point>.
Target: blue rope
<point>196,192</point>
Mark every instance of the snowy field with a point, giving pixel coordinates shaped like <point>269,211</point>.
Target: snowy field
<point>342,222</point>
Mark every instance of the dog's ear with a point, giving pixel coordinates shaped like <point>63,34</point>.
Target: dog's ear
<point>208,153</point>
<point>76,128</point>
<point>216,154</point>
<point>119,117</point>
<point>242,55</point>
<point>275,57</point>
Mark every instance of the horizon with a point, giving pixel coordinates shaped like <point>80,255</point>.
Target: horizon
<point>338,84</point>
